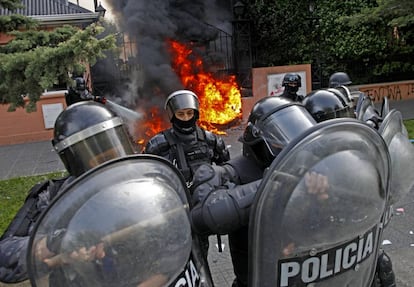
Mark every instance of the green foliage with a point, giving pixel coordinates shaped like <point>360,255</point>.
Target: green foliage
<point>409,124</point>
<point>13,22</point>
<point>37,60</point>
<point>371,40</point>
<point>14,191</point>
<point>10,4</point>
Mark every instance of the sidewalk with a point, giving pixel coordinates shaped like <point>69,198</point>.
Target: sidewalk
<point>28,159</point>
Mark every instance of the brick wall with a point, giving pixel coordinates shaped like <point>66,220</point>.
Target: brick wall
<point>395,91</point>
<point>20,126</point>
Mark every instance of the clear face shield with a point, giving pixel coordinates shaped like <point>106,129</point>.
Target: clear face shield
<point>134,211</point>
<point>346,112</point>
<point>93,146</point>
<point>181,101</point>
<point>281,127</point>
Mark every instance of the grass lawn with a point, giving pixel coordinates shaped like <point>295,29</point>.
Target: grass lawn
<point>409,124</point>
<point>13,191</point>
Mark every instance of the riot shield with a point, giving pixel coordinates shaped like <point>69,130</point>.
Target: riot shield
<point>317,216</point>
<point>124,223</point>
<point>385,107</point>
<point>365,109</point>
<point>401,151</point>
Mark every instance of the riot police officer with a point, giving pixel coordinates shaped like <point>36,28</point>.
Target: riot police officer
<point>327,104</point>
<point>78,92</point>
<point>272,124</point>
<point>339,79</point>
<point>186,144</point>
<point>324,105</point>
<point>331,103</point>
<point>292,82</point>
<point>86,134</point>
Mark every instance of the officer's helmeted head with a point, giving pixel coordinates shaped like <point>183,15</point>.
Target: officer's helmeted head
<point>339,79</point>
<point>182,107</point>
<point>291,82</point>
<point>326,104</point>
<point>87,134</point>
<point>273,122</point>
<point>79,84</point>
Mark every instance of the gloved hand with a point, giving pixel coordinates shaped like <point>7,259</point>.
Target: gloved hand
<point>208,178</point>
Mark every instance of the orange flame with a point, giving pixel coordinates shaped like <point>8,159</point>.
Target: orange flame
<point>220,99</point>
<point>152,123</point>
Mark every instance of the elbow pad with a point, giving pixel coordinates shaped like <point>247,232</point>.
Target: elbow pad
<point>224,210</point>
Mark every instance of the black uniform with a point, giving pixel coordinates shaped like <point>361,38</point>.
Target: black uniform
<point>292,82</point>
<point>85,135</point>
<point>14,241</point>
<point>187,145</point>
<point>222,195</point>
<point>246,174</point>
<point>189,151</point>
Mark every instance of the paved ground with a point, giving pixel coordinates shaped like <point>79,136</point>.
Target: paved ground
<point>39,158</point>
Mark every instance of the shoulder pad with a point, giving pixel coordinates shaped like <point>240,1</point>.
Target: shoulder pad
<point>157,145</point>
<point>210,137</point>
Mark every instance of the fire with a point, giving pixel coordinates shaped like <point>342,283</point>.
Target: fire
<point>152,123</point>
<point>220,99</point>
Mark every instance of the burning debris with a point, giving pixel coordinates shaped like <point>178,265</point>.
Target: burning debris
<point>172,48</point>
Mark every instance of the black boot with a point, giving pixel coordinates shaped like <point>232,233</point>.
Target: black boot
<point>385,273</point>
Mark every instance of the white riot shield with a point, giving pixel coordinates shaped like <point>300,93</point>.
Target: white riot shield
<point>401,151</point>
<point>317,216</point>
<point>124,223</point>
<point>385,107</point>
<point>365,109</point>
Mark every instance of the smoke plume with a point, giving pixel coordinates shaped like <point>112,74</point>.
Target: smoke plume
<point>150,23</point>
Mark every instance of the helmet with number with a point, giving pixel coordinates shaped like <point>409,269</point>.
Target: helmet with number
<point>87,134</point>
<point>325,104</point>
<point>339,79</point>
<point>182,99</point>
<point>273,122</point>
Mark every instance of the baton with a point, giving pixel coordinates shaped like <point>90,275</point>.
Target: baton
<point>118,235</point>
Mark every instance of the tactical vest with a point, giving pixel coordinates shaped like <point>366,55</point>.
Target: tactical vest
<point>189,155</point>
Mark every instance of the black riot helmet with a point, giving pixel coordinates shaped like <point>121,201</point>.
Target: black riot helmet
<point>87,134</point>
<point>178,100</point>
<point>80,84</point>
<point>339,79</point>
<point>78,92</point>
<point>292,83</point>
<point>326,104</point>
<point>291,79</point>
<point>273,122</point>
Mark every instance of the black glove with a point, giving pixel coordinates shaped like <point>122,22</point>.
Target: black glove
<point>208,178</point>
<point>224,210</point>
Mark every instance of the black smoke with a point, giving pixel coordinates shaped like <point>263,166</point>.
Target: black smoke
<point>150,23</point>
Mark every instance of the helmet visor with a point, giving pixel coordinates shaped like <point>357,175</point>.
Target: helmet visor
<point>180,102</point>
<point>94,150</point>
<point>280,128</point>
